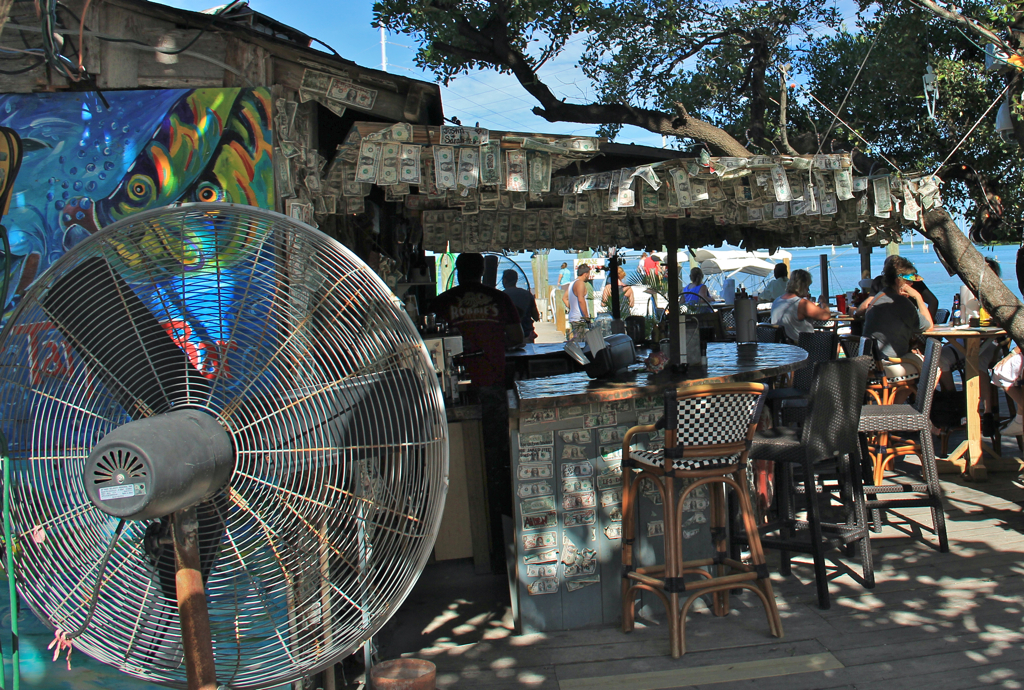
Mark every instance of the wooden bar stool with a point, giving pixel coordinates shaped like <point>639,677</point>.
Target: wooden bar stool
<point>708,430</point>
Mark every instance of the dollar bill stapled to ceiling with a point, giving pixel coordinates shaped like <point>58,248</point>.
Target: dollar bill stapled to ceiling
<point>477,190</point>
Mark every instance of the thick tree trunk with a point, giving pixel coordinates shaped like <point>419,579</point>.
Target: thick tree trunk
<point>970,265</point>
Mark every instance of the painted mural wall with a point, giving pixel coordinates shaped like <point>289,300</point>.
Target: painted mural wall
<point>88,164</point>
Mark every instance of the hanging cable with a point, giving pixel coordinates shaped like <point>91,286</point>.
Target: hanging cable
<point>835,115</point>
<point>975,126</point>
<point>849,127</point>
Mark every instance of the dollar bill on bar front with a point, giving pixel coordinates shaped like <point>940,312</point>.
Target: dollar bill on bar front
<point>388,172</point>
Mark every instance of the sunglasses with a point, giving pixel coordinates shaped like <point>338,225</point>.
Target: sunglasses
<point>909,276</point>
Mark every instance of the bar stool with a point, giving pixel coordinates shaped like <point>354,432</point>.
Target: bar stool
<point>708,430</point>
<point>908,486</point>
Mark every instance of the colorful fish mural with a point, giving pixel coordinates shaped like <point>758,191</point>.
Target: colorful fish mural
<point>88,164</point>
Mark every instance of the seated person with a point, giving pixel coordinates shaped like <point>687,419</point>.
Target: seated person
<point>777,287</point>
<point>626,299</point>
<point>794,311</point>
<point>1007,375</point>
<point>696,293</point>
<point>896,316</point>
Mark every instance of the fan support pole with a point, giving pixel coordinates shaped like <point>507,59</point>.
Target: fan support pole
<point>192,611</point>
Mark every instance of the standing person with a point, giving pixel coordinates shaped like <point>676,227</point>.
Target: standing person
<point>564,274</point>
<point>696,292</point>
<point>489,322</point>
<point>794,310</point>
<point>525,303</point>
<point>640,262</point>
<point>776,288</point>
<point>575,299</point>
<point>650,264</point>
<point>896,316</point>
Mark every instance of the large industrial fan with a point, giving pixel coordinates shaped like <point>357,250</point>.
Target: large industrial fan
<point>218,410</point>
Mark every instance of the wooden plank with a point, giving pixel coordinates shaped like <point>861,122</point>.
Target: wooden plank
<point>119,63</point>
<point>453,536</point>
<point>180,82</point>
<point>719,673</point>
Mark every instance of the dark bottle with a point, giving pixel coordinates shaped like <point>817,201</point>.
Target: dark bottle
<point>956,309</point>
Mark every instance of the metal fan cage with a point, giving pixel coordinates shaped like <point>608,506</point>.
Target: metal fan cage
<point>332,404</point>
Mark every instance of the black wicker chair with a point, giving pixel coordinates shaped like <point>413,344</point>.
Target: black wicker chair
<point>941,315</point>
<point>770,333</point>
<point>824,455</point>
<point>907,485</point>
<point>789,405</point>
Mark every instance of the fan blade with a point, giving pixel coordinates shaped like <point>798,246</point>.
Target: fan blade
<point>123,343</point>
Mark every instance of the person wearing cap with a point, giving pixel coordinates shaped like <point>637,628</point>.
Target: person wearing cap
<point>650,264</point>
<point>776,288</point>
<point>895,317</point>
<point>575,299</point>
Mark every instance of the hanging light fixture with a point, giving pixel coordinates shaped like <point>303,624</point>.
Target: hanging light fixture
<point>931,90</point>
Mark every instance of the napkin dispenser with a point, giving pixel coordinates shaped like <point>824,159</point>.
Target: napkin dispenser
<point>612,359</point>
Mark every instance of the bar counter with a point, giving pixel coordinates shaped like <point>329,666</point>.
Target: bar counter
<point>566,435</point>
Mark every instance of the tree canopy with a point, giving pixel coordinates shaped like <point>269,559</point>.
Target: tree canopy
<point>710,72</point>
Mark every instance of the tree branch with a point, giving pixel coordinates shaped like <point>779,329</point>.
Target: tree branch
<point>784,93</point>
<point>965,22</point>
<point>496,49</point>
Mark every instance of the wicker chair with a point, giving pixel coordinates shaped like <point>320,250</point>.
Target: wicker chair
<point>707,432</point>
<point>789,405</point>
<point>826,454</point>
<point>770,333</point>
<point>908,485</point>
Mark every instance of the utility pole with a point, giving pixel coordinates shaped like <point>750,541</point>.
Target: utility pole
<point>383,51</point>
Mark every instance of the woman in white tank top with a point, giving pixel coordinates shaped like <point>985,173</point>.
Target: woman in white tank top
<point>794,311</point>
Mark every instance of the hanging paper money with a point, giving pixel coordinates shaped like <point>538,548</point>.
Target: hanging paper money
<point>910,207</point>
<point>515,170</point>
<point>444,167</point>
<point>387,174</point>
<point>409,164</point>
<point>613,192</point>
<point>647,174</point>
<point>283,175</point>
<point>681,181</point>
<point>490,163</point>
<point>627,198</point>
<point>469,167</point>
<point>540,171</point>
<point>366,166</point>
<point>781,183</point>
<point>828,203</point>
<point>844,184</point>
<point>698,190</point>
<point>348,93</point>
<point>883,201</point>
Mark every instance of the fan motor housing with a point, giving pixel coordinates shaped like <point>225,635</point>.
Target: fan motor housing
<point>155,466</point>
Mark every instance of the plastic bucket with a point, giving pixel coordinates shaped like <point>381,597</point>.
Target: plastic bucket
<point>403,674</point>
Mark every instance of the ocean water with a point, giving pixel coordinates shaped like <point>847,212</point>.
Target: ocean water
<point>843,261</point>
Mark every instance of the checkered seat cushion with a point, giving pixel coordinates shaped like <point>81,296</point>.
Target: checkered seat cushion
<point>704,423</point>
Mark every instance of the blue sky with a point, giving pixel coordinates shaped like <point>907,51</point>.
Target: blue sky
<point>495,101</point>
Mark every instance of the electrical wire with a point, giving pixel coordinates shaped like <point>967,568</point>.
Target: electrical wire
<point>835,115</point>
<point>983,115</point>
<point>850,127</point>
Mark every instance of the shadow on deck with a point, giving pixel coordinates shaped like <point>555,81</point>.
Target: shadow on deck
<point>953,620</point>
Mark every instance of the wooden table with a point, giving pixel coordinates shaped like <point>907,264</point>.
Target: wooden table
<point>968,458</point>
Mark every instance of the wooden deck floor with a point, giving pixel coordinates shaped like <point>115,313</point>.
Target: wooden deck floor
<point>934,621</point>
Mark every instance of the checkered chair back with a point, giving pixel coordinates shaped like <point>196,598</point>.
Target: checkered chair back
<point>770,333</point>
<point>713,424</point>
<point>837,396</point>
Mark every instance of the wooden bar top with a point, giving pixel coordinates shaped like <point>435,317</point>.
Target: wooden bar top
<point>725,364</point>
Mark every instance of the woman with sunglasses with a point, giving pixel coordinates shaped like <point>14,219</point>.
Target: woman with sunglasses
<point>896,316</point>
